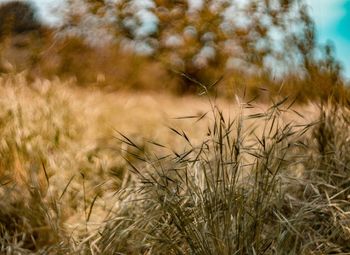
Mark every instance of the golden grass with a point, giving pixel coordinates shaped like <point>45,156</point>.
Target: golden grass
<point>64,153</point>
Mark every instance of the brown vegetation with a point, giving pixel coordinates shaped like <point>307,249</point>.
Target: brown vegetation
<point>177,64</point>
<point>98,156</point>
<point>250,179</point>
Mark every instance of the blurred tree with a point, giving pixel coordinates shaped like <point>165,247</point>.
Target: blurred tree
<point>20,36</point>
<point>17,17</point>
<point>24,39</point>
<point>203,39</point>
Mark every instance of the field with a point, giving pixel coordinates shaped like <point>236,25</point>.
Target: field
<point>171,127</point>
<point>84,171</point>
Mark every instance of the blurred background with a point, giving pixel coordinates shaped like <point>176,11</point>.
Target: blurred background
<point>288,47</point>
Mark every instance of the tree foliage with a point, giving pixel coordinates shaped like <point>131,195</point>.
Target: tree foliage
<point>249,42</point>
<point>17,17</point>
<point>207,39</point>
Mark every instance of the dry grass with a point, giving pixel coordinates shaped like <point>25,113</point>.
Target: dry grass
<point>90,172</point>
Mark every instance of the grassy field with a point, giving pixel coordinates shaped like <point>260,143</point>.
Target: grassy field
<point>89,172</point>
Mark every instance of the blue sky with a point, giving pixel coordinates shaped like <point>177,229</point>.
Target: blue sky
<point>332,19</point>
